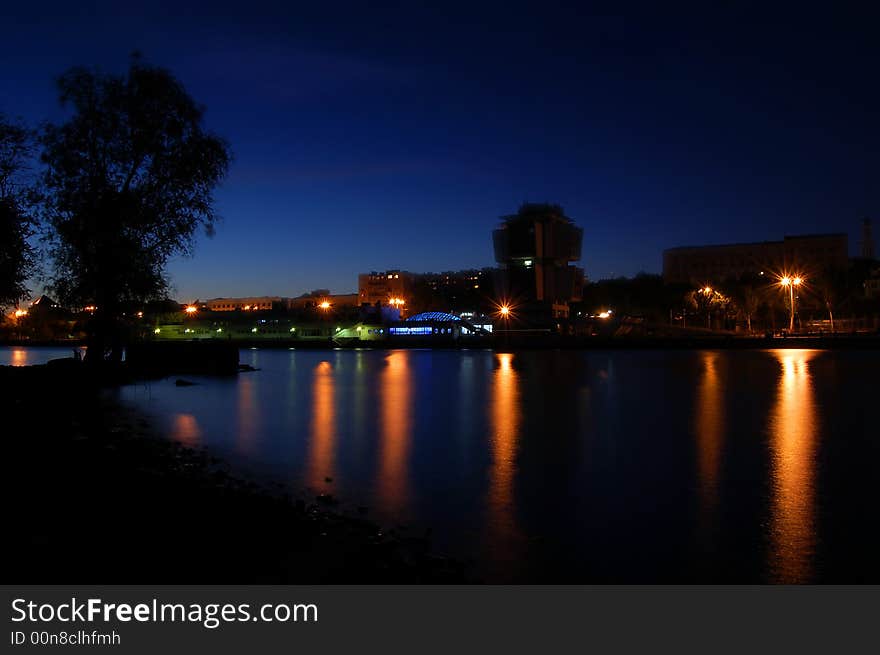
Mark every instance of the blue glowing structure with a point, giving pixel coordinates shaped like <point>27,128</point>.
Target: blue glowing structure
<point>434,316</point>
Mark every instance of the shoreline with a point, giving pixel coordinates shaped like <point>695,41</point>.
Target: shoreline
<point>104,498</point>
<point>514,343</point>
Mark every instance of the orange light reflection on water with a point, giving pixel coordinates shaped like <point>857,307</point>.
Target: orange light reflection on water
<point>248,413</point>
<point>19,357</point>
<point>505,418</point>
<point>185,429</point>
<point>396,396</point>
<point>709,428</point>
<point>323,428</point>
<point>793,437</point>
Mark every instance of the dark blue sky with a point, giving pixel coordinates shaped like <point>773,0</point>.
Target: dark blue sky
<point>373,136</point>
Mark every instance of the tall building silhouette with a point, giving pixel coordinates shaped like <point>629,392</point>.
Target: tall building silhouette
<point>535,248</point>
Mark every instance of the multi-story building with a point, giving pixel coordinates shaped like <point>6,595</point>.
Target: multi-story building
<point>391,288</point>
<point>468,290</point>
<point>451,281</point>
<point>257,303</point>
<point>534,249</point>
<point>808,255</point>
<point>323,298</point>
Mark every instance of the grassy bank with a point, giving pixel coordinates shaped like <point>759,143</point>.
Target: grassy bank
<point>93,497</point>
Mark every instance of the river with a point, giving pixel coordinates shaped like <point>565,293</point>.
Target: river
<point>568,466</point>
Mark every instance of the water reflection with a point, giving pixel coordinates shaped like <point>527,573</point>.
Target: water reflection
<point>709,428</point>
<point>359,404</point>
<point>323,428</point>
<point>505,419</point>
<point>395,398</point>
<point>793,428</point>
<point>248,414</point>
<point>684,465</point>
<point>185,429</point>
<point>19,357</point>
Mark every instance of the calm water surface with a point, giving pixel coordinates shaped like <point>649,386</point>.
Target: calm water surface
<point>31,355</point>
<point>618,466</point>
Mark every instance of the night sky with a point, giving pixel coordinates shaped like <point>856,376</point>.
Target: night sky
<point>393,136</point>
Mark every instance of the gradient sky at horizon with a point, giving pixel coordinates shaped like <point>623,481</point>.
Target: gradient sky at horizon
<point>369,137</point>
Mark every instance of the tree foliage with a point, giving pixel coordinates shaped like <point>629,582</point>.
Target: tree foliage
<point>129,180</point>
<point>16,253</point>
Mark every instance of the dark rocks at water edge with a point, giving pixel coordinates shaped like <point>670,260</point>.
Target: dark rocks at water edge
<point>94,497</point>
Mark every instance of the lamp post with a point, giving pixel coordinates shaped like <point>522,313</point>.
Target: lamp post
<point>791,283</point>
<point>707,292</point>
<point>505,314</point>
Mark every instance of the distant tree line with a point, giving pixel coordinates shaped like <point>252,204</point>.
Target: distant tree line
<point>751,303</point>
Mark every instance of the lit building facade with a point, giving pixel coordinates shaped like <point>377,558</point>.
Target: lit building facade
<point>535,249</point>
<point>451,282</point>
<point>257,303</point>
<point>276,303</point>
<point>392,288</point>
<point>334,301</point>
<point>809,255</point>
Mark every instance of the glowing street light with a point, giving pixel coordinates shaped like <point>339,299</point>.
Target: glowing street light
<point>505,313</point>
<point>191,309</point>
<point>324,305</point>
<point>791,283</point>
<point>708,293</point>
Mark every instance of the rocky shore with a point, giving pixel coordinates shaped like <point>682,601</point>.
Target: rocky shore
<point>92,497</point>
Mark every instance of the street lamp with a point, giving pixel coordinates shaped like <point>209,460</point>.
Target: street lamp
<point>791,283</point>
<point>504,312</point>
<point>707,294</point>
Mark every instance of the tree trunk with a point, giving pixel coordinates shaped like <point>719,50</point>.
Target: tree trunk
<point>104,341</point>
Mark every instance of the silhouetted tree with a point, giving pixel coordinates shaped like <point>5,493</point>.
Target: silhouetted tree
<point>708,301</point>
<point>16,254</point>
<point>831,289</point>
<point>644,295</point>
<point>129,179</point>
<point>746,294</point>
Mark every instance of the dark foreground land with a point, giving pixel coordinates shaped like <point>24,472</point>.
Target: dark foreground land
<point>92,497</point>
